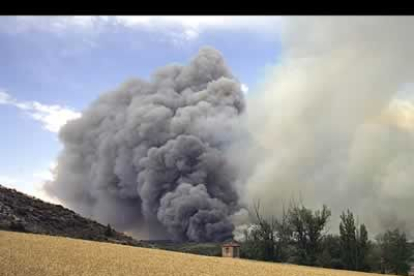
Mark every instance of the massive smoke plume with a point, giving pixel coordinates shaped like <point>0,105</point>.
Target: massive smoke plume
<point>329,125</point>
<point>333,124</point>
<point>152,154</point>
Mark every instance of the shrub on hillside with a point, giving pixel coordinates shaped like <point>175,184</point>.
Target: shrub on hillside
<point>17,226</point>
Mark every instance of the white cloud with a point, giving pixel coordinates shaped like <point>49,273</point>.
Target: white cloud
<point>56,24</point>
<point>185,27</point>
<point>196,23</point>
<point>244,88</point>
<point>190,27</point>
<point>52,117</point>
<point>4,97</point>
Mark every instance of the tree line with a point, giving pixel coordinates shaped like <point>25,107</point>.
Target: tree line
<point>300,236</point>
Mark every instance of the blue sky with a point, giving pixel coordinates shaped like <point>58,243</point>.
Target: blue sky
<point>53,67</point>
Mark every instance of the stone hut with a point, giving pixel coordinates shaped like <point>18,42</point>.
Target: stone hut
<point>230,249</point>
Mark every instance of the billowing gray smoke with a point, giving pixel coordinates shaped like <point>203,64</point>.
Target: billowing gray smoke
<point>330,125</point>
<point>335,121</point>
<point>150,156</point>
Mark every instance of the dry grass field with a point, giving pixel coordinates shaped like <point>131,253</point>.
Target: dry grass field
<point>38,255</point>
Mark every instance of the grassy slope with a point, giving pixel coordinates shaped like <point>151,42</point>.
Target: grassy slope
<point>28,254</point>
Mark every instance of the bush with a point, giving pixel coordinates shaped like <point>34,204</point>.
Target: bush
<point>109,232</point>
<point>17,226</point>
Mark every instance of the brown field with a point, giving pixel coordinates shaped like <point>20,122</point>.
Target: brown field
<point>38,255</point>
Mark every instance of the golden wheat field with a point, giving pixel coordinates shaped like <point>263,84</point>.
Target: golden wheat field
<point>38,255</point>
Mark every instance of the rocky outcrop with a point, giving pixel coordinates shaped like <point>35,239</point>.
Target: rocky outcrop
<point>21,212</point>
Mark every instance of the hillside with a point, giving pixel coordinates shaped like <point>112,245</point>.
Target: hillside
<point>20,212</point>
<point>64,256</point>
<point>24,213</point>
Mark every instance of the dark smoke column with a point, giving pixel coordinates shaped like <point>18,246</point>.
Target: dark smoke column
<point>153,153</point>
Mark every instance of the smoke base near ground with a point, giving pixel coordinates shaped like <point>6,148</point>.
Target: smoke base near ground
<point>184,154</point>
<point>149,156</point>
<point>332,124</point>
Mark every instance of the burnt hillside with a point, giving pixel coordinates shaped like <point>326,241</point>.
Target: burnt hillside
<point>21,212</point>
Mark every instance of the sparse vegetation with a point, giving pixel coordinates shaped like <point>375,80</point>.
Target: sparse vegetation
<point>17,226</point>
<point>109,232</point>
<point>23,213</point>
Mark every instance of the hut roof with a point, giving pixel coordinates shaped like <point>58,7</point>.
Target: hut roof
<point>231,244</point>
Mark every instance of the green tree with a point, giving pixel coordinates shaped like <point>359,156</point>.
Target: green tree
<point>374,258</point>
<point>331,256</point>
<point>347,232</point>
<point>363,249</point>
<point>260,240</point>
<point>283,239</point>
<point>354,243</point>
<point>307,232</point>
<point>396,254</point>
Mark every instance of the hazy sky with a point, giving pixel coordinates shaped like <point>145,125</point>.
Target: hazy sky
<point>53,67</point>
